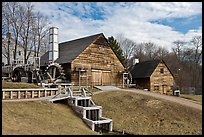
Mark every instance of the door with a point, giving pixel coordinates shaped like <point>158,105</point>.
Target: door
<point>106,77</point>
<point>164,88</point>
<point>96,77</point>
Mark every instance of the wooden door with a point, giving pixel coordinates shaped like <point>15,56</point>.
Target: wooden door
<point>96,77</point>
<point>106,77</point>
<point>164,89</point>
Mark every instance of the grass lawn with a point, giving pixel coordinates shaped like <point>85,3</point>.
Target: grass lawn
<point>192,97</point>
<point>144,115</point>
<point>16,85</point>
<point>41,118</point>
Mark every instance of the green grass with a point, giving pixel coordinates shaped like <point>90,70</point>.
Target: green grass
<point>41,118</point>
<point>17,85</point>
<point>145,115</point>
<point>192,97</point>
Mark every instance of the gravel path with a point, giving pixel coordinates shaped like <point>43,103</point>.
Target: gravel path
<point>182,101</point>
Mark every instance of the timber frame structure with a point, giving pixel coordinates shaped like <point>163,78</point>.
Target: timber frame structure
<point>88,61</point>
<point>153,75</point>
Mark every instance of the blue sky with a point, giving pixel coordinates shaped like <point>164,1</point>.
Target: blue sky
<point>158,22</point>
<point>182,25</point>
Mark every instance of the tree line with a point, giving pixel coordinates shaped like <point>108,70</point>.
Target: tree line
<point>23,27</point>
<point>184,59</point>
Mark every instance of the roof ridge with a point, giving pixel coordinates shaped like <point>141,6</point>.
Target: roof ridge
<point>81,38</point>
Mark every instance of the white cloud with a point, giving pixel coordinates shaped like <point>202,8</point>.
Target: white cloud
<point>130,19</point>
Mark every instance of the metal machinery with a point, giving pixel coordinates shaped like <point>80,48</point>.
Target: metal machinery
<point>52,73</point>
<point>127,79</point>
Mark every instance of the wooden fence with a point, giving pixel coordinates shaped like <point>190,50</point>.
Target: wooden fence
<point>8,94</point>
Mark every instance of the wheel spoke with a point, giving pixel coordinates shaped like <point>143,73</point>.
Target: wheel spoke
<point>54,72</point>
<point>49,75</point>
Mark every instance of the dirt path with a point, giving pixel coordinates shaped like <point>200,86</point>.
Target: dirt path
<point>182,101</point>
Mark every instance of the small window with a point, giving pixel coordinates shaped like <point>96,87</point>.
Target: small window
<point>2,63</point>
<point>19,53</point>
<point>162,70</point>
<point>156,88</point>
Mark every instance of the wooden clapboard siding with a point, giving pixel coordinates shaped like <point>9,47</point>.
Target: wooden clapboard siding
<point>147,75</point>
<point>91,52</point>
<point>106,78</point>
<point>96,77</point>
<point>163,80</point>
<point>101,58</point>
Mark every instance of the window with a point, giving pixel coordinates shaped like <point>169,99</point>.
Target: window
<point>19,53</point>
<point>156,88</point>
<point>162,70</point>
<point>2,63</point>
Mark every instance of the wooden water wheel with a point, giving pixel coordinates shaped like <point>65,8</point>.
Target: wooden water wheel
<point>53,72</point>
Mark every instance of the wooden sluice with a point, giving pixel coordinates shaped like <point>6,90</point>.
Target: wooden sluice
<point>90,113</point>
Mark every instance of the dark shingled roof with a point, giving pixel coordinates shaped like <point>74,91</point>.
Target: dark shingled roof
<point>69,50</point>
<point>44,59</point>
<point>144,69</point>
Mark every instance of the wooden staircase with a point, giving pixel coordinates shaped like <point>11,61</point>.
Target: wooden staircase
<point>83,105</point>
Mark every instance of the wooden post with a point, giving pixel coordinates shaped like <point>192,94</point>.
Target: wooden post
<point>3,94</point>
<point>11,95</point>
<point>76,102</point>
<point>84,113</point>
<point>45,93</point>
<point>26,96</point>
<point>111,126</point>
<point>32,94</point>
<point>38,93</point>
<point>19,94</point>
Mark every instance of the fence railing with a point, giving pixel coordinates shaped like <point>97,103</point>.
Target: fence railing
<point>28,93</point>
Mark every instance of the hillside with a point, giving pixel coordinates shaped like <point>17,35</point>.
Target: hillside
<point>41,118</point>
<point>15,85</point>
<point>144,115</point>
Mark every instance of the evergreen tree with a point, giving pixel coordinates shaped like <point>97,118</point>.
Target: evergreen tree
<point>116,49</point>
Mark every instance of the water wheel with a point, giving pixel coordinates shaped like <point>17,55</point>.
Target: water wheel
<point>53,72</point>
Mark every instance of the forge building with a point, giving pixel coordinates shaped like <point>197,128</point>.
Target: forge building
<point>85,61</point>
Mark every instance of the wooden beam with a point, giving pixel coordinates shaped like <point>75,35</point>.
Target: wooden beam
<point>19,94</point>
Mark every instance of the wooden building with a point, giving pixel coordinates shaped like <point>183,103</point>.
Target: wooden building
<point>153,75</point>
<point>88,61</point>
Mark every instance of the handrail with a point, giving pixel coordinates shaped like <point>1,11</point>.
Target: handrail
<point>87,90</point>
<point>31,89</point>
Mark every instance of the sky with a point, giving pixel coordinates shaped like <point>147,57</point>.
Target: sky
<point>159,22</point>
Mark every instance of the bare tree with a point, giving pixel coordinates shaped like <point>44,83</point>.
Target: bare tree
<point>13,13</point>
<point>128,47</point>
<point>196,67</point>
<point>178,50</point>
<point>28,28</point>
<point>25,33</point>
<point>5,31</point>
<point>161,53</point>
<point>150,50</point>
<point>197,43</point>
<point>40,31</point>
